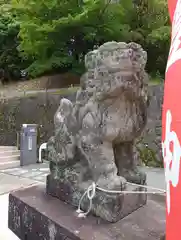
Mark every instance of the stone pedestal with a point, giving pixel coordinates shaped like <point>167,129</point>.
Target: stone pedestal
<point>34,215</point>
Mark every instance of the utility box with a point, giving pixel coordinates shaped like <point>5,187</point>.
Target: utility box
<point>28,144</point>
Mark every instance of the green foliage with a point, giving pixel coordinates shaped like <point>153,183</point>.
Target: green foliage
<point>149,157</point>
<point>158,44</point>
<point>57,34</point>
<point>10,62</point>
<point>52,36</point>
<point>150,19</point>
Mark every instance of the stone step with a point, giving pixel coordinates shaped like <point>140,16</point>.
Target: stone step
<point>9,158</point>
<point>8,148</point>
<point>9,164</point>
<point>7,153</point>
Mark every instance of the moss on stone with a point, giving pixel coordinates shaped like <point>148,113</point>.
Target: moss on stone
<point>148,156</point>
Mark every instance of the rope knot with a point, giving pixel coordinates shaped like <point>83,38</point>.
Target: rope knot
<point>90,192</point>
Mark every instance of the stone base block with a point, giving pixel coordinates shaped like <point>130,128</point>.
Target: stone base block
<point>108,206</point>
<point>35,215</point>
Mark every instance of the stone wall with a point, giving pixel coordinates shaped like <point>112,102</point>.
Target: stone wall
<point>150,146</point>
<point>40,109</point>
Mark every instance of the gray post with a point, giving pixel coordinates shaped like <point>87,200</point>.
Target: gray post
<point>28,144</point>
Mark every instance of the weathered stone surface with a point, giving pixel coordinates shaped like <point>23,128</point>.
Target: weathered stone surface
<point>94,137</point>
<point>111,207</point>
<point>35,215</point>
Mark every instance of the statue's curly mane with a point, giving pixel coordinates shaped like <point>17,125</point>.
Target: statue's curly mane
<point>115,69</point>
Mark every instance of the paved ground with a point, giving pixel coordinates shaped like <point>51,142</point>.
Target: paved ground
<point>13,179</point>
<point>21,177</point>
<point>155,177</point>
<point>24,176</point>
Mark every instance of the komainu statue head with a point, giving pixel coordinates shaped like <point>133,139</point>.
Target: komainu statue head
<point>117,68</point>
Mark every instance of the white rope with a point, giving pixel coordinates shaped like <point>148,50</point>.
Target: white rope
<point>91,192</point>
<point>147,187</point>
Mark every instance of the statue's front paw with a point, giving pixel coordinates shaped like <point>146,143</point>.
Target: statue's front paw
<point>134,176</point>
<point>119,182</point>
<point>112,182</point>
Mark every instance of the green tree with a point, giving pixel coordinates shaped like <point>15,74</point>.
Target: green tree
<point>10,61</point>
<point>56,34</point>
<point>150,25</point>
<point>158,44</point>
